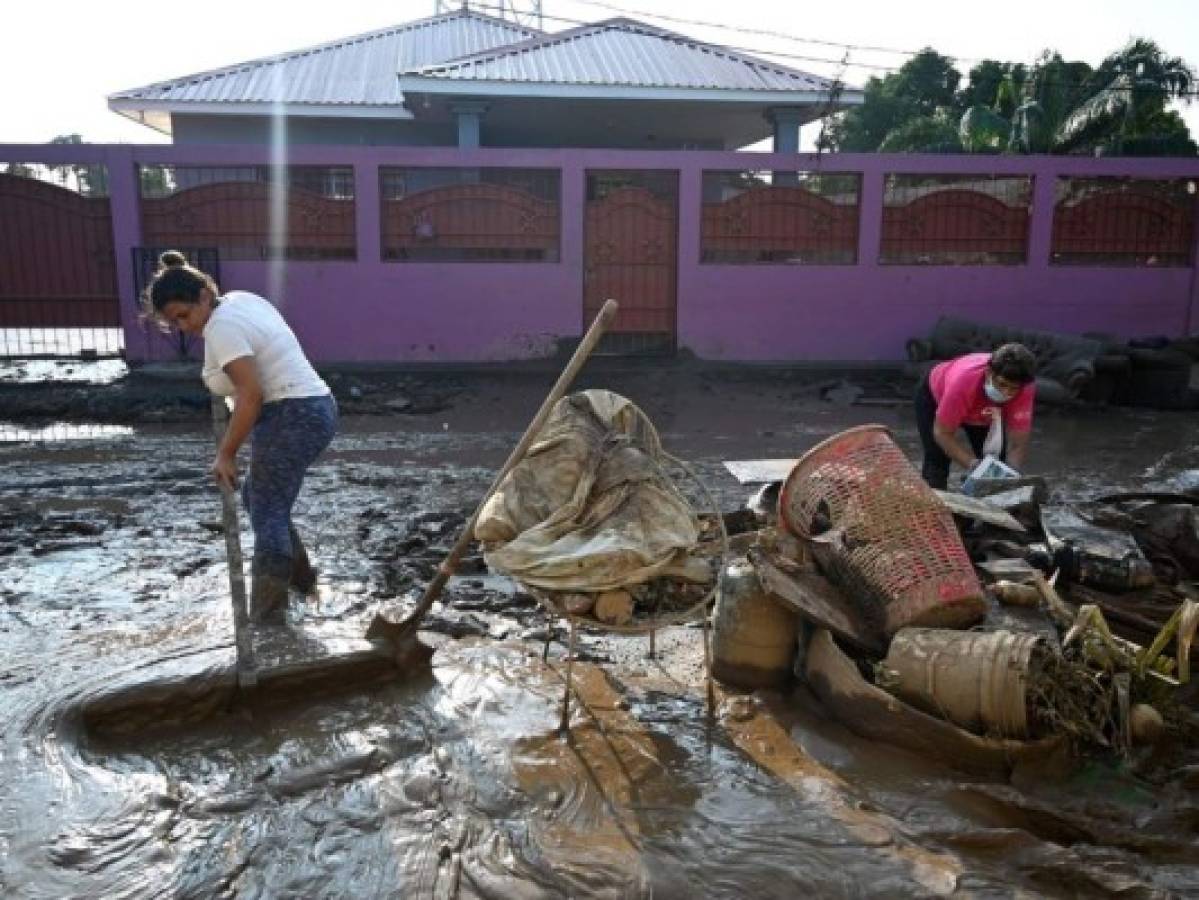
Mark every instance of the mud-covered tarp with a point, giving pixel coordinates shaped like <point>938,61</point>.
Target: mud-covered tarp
<point>589,508</point>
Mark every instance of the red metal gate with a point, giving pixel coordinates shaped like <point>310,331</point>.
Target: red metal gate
<point>58,282</point>
<point>631,255</point>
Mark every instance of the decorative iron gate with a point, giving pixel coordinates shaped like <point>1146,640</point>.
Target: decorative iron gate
<point>631,254</point>
<point>58,280</point>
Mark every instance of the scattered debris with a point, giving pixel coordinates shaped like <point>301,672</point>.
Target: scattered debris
<point>1094,555</point>
<point>1015,594</point>
<point>753,634</point>
<point>614,608</point>
<point>817,600</point>
<point>1046,670</point>
<point>842,394</point>
<point>982,510</point>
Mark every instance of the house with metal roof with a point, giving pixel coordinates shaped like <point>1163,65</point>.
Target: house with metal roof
<point>468,79</point>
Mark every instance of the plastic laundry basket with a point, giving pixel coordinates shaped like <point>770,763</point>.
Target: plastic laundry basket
<point>881,532</point>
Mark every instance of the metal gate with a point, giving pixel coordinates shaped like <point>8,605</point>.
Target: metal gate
<point>631,236</point>
<point>58,278</point>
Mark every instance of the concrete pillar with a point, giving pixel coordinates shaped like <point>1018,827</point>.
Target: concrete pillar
<point>870,215</point>
<point>1192,316</point>
<point>124,198</point>
<point>367,206</point>
<point>786,121</point>
<point>1040,228</point>
<point>469,116</point>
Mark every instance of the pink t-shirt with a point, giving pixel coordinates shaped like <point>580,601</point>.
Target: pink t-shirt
<point>957,386</point>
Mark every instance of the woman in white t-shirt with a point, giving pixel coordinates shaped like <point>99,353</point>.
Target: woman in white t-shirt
<point>281,404</point>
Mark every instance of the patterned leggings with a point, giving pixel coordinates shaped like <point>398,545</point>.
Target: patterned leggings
<point>287,438</point>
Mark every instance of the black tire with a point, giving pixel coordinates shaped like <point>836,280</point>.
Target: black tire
<point>1157,388</point>
<point>1158,359</point>
<point>1101,389</point>
<point>1114,364</point>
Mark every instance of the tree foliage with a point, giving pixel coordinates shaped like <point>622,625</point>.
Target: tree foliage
<point>924,84</point>
<point>90,180</point>
<point>1054,106</point>
<point>924,134</point>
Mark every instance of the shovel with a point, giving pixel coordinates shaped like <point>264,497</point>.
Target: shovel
<point>247,673</point>
<point>402,634</point>
<point>284,666</point>
<point>278,665</point>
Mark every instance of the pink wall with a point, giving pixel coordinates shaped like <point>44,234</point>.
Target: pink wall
<point>373,311</point>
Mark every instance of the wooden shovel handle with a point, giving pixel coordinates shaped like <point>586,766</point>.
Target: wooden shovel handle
<point>246,668</point>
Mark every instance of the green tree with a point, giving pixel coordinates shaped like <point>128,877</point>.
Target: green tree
<point>982,130</point>
<point>1068,107</point>
<point>924,134</point>
<point>1058,86</point>
<point>90,180</point>
<point>1162,134</point>
<point>862,128</point>
<point>154,181</point>
<point>1054,106</point>
<point>928,81</point>
<point>994,85</point>
<point>922,86</point>
<point>1007,95</point>
<point>1126,102</point>
<point>982,84</point>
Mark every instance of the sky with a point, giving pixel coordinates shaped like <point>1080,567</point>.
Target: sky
<point>58,67</point>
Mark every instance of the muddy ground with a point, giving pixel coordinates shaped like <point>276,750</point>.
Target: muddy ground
<point>457,784</point>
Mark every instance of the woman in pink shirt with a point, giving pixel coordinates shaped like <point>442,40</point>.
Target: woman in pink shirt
<point>967,393</point>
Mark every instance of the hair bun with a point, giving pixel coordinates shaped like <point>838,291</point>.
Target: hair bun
<point>172,259</point>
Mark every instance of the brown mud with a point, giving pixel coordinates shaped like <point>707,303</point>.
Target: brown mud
<point>457,784</point>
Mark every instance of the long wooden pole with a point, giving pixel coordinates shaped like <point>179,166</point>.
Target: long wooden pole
<point>400,632</point>
<point>247,670</point>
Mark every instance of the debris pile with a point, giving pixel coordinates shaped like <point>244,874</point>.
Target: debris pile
<point>1035,579</point>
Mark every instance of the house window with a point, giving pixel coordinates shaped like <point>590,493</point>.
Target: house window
<point>470,214</point>
<point>792,218</point>
<point>1124,222</point>
<point>962,220</point>
<point>251,212</point>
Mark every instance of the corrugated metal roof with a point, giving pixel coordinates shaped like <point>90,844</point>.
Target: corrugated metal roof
<point>624,52</point>
<point>358,70</point>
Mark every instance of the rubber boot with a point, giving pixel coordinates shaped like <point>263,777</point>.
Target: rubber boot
<point>303,576</point>
<point>268,595</point>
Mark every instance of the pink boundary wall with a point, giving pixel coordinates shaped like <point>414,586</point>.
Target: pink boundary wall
<point>369,311</point>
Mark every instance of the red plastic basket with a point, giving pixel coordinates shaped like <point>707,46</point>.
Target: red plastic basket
<point>881,533</point>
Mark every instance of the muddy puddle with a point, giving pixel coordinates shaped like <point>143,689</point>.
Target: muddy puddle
<point>457,783</point>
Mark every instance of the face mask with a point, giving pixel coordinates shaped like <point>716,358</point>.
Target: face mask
<point>994,394</point>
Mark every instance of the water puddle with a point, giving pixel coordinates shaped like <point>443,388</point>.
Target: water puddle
<point>61,432</point>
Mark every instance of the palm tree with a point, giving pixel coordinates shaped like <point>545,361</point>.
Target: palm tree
<point>1068,107</point>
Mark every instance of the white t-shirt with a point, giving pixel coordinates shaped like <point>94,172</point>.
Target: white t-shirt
<point>244,324</point>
